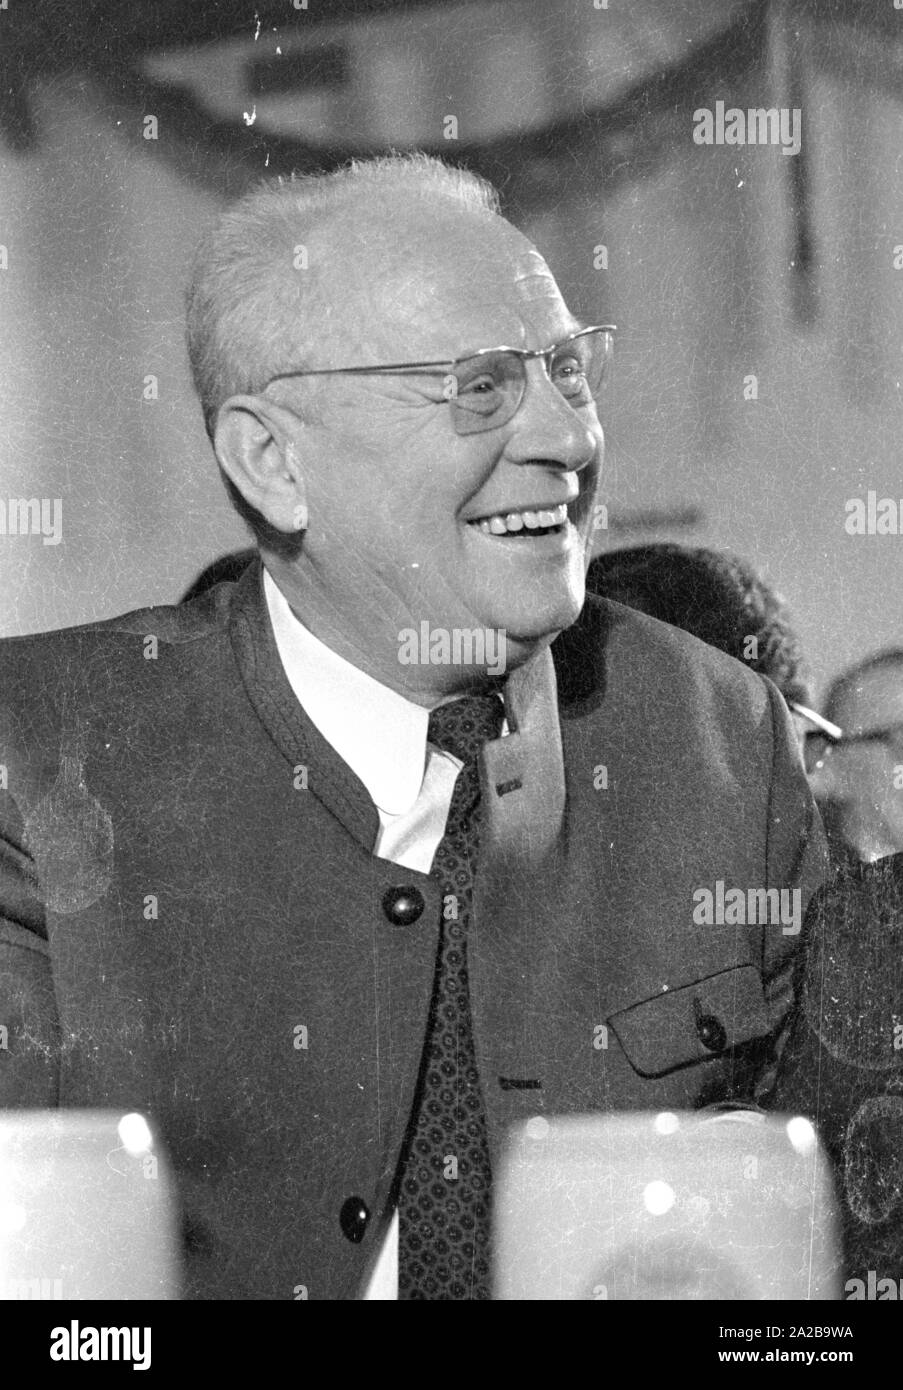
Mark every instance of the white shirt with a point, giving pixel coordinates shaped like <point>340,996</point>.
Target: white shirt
<point>382,737</point>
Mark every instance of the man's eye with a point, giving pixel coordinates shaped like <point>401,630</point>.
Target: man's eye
<point>481,395</point>
<point>479,386</point>
<point>567,368</point>
<point>569,375</point>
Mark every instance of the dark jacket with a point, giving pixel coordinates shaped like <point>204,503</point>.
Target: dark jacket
<point>843,1067</point>
<point>193,923</point>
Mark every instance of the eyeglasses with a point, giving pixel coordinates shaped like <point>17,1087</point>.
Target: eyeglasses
<point>819,739</point>
<point>823,740</point>
<point>485,388</point>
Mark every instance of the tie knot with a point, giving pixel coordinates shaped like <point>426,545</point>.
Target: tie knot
<point>462,726</point>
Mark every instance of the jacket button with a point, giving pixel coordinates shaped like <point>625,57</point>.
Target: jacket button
<point>710,1031</point>
<point>353,1219</point>
<point>403,906</point>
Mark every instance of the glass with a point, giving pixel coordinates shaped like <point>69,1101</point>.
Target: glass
<point>484,389</point>
<point>819,739</point>
<point>815,748</point>
<point>819,744</point>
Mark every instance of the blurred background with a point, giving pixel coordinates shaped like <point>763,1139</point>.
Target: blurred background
<point>123,130</point>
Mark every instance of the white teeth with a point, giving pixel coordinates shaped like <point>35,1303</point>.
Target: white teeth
<point>512,522</point>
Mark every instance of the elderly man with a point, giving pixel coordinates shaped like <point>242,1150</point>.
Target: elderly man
<point>341,869</point>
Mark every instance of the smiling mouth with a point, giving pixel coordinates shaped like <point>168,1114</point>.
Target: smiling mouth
<point>526,524</point>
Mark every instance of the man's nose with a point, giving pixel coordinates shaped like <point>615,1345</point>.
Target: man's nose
<point>547,429</point>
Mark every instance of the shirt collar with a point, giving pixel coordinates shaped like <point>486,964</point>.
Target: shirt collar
<point>377,732</point>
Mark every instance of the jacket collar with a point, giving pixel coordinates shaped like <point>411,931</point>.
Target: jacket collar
<point>329,778</point>
<point>524,787</point>
<point>380,733</point>
<point>522,775</point>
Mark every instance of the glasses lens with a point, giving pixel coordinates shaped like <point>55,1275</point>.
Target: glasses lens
<point>892,737</point>
<point>486,390</point>
<point>578,366</point>
<point>815,747</point>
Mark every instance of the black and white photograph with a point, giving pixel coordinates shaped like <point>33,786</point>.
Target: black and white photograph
<point>451,665</point>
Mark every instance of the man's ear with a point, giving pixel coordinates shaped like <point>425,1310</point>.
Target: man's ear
<point>255,446</point>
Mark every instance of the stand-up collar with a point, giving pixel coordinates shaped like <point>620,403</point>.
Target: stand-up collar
<point>379,733</point>
<point>522,774</point>
<point>328,777</point>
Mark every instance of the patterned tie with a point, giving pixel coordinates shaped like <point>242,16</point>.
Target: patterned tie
<point>444,1196</point>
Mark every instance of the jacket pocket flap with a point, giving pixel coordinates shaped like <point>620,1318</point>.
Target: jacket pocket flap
<point>693,1023</point>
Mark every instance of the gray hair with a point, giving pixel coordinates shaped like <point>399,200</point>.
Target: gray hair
<point>247,306</point>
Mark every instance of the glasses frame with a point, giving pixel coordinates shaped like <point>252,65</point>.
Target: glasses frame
<point>822,729</point>
<point>835,737</point>
<point>448,364</point>
<point>832,732</point>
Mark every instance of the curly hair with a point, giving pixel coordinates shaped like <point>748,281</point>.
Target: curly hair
<point>714,595</point>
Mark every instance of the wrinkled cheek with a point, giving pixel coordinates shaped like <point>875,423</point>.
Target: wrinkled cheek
<point>591,486</point>
<point>412,554</point>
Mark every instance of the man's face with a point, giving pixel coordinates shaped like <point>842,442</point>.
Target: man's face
<point>395,495</point>
<point>857,784</point>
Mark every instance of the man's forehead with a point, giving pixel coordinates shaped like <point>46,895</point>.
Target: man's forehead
<point>509,288</point>
<point>465,284</point>
<point>533,280</point>
<point>875,698</point>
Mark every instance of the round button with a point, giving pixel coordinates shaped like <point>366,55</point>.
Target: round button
<point>710,1031</point>
<point>403,905</point>
<point>353,1219</point>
